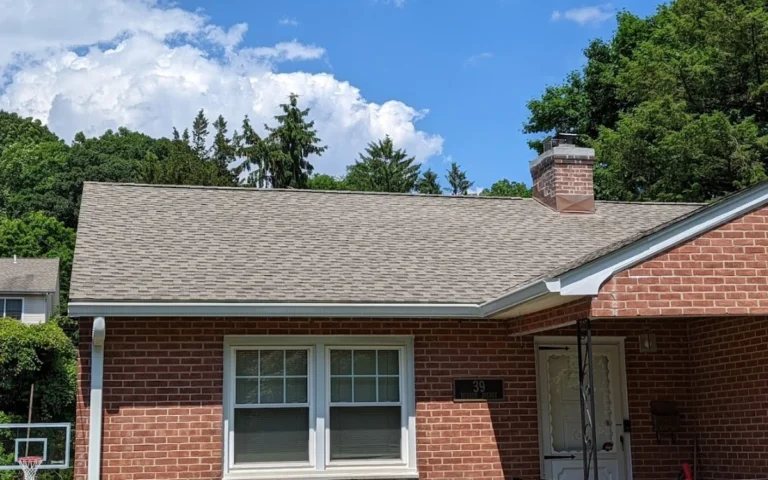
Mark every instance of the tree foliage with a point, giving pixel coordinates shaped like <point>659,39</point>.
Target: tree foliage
<point>383,168</point>
<point>36,235</point>
<point>506,188</point>
<point>289,145</point>
<point>675,104</point>
<point>40,354</point>
<point>457,179</point>
<point>429,183</point>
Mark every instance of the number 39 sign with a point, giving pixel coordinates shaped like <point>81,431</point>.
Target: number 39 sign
<point>478,390</point>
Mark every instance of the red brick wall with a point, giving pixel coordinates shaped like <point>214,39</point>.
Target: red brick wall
<point>163,381</point>
<point>163,395</point>
<point>557,317</point>
<point>729,360</point>
<point>724,271</point>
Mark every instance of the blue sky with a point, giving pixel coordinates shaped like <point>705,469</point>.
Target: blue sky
<point>474,65</point>
<point>447,79</point>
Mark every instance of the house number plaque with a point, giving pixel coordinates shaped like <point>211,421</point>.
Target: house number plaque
<point>478,390</point>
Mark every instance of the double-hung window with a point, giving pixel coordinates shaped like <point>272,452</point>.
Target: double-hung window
<point>11,307</point>
<point>303,407</point>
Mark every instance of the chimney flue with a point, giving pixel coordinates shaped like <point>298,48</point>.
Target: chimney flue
<point>563,175</point>
<point>14,259</point>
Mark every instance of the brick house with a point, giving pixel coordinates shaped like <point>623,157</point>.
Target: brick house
<point>278,334</point>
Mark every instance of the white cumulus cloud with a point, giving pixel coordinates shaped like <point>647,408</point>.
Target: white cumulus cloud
<point>585,15</point>
<point>99,64</point>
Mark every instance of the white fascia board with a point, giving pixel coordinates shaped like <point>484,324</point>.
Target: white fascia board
<point>275,310</point>
<point>587,279</point>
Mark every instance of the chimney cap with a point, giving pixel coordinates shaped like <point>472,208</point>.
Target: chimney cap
<point>560,138</point>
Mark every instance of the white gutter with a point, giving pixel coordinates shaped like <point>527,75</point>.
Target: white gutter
<point>96,404</point>
<point>274,310</point>
<point>521,295</point>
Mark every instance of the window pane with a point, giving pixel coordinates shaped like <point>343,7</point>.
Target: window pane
<point>295,390</point>
<point>389,389</point>
<point>389,362</point>
<point>365,362</point>
<point>365,389</point>
<point>341,362</point>
<point>247,363</point>
<point>359,433</point>
<point>271,435</point>
<point>341,389</point>
<point>296,362</point>
<point>271,363</point>
<point>246,390</point>
<point>13,309</point>
<point>271,390</point>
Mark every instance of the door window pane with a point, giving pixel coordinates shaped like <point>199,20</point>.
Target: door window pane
<point>365,433</point>
<point>271,435</point>
<point>565,406</point>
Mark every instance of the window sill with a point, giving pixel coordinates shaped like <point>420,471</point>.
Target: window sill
<point>346,474</point>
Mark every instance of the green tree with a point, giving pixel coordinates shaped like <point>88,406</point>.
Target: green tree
<point>223,150</point>
<point>253,151</point>
<point>40,354</point>
<point>16,129</point>
<point>429,183</point>
<point>289,146</point>
<point>36,235</point>
<point>457,179</point>
<point>382,168</point>
<point>505,188</point>
<point>321,181</point>
<point>706,62</point>
<point>200,135</point>
<point>174,162</point>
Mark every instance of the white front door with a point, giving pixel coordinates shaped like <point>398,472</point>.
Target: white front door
<point>560,412</point>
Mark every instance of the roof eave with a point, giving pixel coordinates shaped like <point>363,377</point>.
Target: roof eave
<point>273,310</point>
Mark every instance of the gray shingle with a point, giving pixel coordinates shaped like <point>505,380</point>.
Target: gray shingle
<point>153,243</point>
<point>29,275</point>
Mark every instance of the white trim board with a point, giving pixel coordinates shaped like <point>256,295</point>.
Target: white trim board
<point>584,280</point>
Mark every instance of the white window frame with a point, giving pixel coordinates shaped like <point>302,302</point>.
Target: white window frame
<point>3,310</point>
<point>318,396</point>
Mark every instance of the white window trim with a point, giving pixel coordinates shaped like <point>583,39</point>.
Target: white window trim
<point>3,312</point>
<point>319,400</point>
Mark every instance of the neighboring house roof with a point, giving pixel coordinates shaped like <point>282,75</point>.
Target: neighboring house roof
<point>201,244</point>
<point>29,275</point>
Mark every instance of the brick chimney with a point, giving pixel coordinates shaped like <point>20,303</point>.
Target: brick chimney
<point>562,175</point>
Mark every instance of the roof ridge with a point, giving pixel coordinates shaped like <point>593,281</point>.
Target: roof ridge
<point>300,190</point>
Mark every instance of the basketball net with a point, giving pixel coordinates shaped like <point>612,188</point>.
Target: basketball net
<point>29,466</point>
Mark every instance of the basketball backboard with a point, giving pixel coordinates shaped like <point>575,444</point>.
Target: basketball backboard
<point>50,441</point>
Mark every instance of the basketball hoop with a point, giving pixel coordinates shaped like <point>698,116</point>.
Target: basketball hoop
<point>29,466</point>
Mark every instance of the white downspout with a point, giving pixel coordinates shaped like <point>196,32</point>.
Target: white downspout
<point>97,380</point>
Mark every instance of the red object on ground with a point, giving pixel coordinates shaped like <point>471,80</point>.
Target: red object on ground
<point>687,472</point>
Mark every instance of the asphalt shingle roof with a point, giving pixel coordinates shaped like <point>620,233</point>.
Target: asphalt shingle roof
<point>153,243</point>
<point>29,275</point>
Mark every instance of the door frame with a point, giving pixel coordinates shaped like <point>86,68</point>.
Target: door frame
<point>541,340</point>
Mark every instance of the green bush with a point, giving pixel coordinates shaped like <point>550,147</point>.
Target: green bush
<point>43,355</point>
